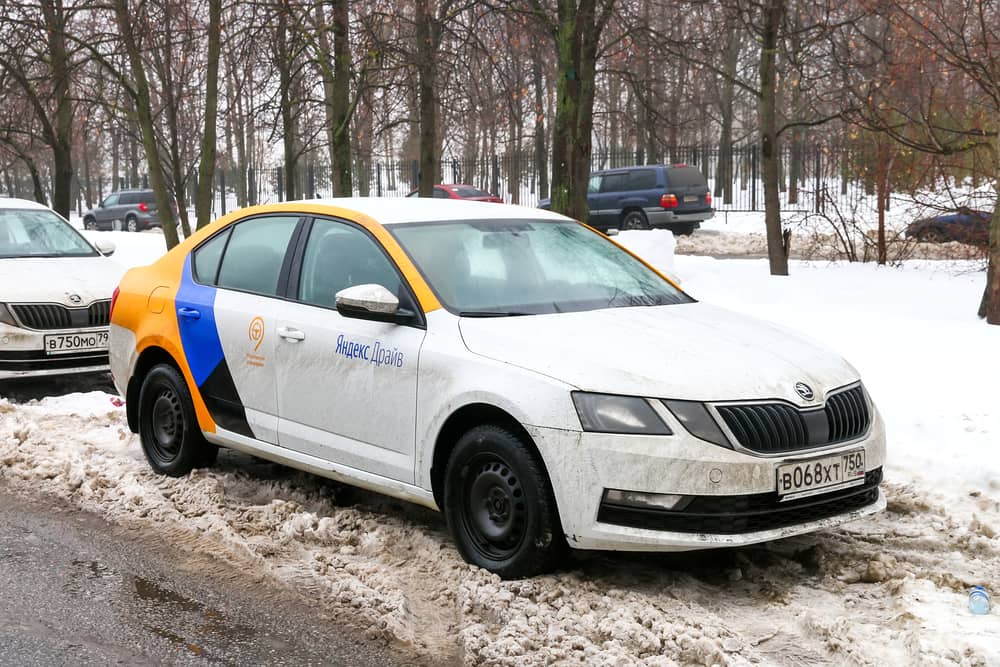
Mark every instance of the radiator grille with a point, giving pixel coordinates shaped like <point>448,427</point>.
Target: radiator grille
<point>772,428</point>
<point>47,316</point>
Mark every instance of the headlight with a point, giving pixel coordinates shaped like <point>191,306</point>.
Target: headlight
<point>606,413</point>
<point>696,419</point>
<point>5,316</point>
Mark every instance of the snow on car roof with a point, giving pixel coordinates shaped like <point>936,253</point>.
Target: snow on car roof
<point>397,210</point>
<point>13,202</point>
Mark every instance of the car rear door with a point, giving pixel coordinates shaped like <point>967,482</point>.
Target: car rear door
<point>107,210</point>
<point>227,307</point>
<point>612,187</point>
<point>347,387</point>
<point>690,187</point>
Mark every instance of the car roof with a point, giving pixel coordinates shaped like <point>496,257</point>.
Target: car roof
<point>13,202</point>
<point>397,210</point>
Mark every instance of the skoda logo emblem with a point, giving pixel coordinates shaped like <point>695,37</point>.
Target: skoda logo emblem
<point>75,298</point>
<point>804,390</point>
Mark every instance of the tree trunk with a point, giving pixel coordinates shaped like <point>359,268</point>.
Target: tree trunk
<point>144,118</point>
<point>883,166</point>
<point>288,130</point>
<point>206,167</point>
<point>777,239</point>
<point>427,102</point>
<point>60,66</point>
<point>541,162</point>
<point>989,307</point>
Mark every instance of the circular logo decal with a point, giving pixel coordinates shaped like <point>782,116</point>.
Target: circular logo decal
<point>804,390</point>
<point>256,332</point>
<point>75,298</point>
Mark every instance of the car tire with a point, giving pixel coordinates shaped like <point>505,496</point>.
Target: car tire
<point>131,224</point>
<point>933,235</point>
<point>168,428</point>
<point>686,230</point>
<point>634,220</point>
<point>90,223</point>
<point>499,505</point>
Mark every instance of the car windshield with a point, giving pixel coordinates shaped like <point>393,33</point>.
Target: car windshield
<point>496,268</point>
<point>39,233</point>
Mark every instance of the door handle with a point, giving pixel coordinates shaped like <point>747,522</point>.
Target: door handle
<point>189,313</point>
<point>289,333</point>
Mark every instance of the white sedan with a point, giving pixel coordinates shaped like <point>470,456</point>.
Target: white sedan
<point>55,294</point>
<point>517,370</point>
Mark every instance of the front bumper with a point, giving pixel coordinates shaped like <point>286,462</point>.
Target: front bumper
<point>582,466</point>
<point>22,354</point>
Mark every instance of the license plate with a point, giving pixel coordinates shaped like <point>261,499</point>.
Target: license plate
<point>689,199</point>
<point>63,343</point>
<point>808,478</point>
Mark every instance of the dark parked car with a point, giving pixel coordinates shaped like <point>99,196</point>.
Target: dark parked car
<point>128,210</point>
<point>964,225</point>
<point>459,191</point>
<point>672,196</point>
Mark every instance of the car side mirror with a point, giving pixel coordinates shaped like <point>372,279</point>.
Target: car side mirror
<point>106,248</point>
<point>371,302</point>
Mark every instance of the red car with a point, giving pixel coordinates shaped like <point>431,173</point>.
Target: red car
<point>456,191</point>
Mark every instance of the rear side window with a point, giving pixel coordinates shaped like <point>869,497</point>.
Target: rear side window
<point>128,199</point>
<point>684,177</point>
<point>642,179</point>
<point>440,194</point>
<point>207,258</point>
<point>256,251</point>
<point>614,182</point>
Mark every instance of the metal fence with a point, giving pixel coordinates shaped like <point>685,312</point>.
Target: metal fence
<point>811,177</point>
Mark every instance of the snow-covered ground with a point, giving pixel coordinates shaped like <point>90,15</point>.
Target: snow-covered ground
<point>891,589</point>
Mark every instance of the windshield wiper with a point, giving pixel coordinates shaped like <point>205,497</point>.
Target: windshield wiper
<point>491,313</point>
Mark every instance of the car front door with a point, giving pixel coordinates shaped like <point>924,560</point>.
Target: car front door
<point>227,309</point>
<point>347,387</point>
<point>612,186</point>
<point>106,211</point>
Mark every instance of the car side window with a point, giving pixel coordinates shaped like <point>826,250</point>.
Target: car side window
<point>641,179</point>
<point>110,200</point>
<point>338,256</point>
<point>128,199</point>
<point>594,185</point>
<point>440,193</point>
<point>207,258</point>
<point>255,254</point>
<point>614,182</point>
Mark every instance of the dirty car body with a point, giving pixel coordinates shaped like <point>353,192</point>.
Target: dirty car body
<point>459,356</point>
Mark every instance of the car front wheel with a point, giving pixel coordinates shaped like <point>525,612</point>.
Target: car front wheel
<point>499,505</point>
<point>90,223</point>
<point>131,224</point>
<point>168,428</point>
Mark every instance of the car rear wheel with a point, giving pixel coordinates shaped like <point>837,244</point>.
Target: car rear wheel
<point>168,428</point>
<point>684,230</point>
<point>933,235</point>
<point>131,224</point>
<point>90,223</point>
<point>499,505</point>
<point>635,220</point>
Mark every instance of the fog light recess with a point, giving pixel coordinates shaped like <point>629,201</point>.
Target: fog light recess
<point>658,501</point>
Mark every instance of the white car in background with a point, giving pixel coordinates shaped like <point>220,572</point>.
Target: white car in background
<point>55,294</point>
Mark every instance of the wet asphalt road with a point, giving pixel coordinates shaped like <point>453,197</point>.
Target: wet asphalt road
<point>75,590</point>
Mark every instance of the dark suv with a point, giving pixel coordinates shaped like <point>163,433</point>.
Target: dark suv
<point>672,196</point>
<point>128,210</point>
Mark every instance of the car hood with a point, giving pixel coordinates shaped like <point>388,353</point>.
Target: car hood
<point>55,279</point>
<point>691,351</point>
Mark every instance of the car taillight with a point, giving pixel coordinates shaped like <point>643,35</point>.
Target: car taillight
<point>143,207</point>
<point>668,201</point>
<point>114,298</point>
<point>708,198</point>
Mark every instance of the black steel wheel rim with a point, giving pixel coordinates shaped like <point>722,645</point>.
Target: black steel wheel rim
<point>494,509</point>
<point>131,224</point>
<point>166,428</point>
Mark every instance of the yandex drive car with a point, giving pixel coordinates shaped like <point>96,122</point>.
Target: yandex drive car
<point>55,294</point>
<point>517,370</point>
